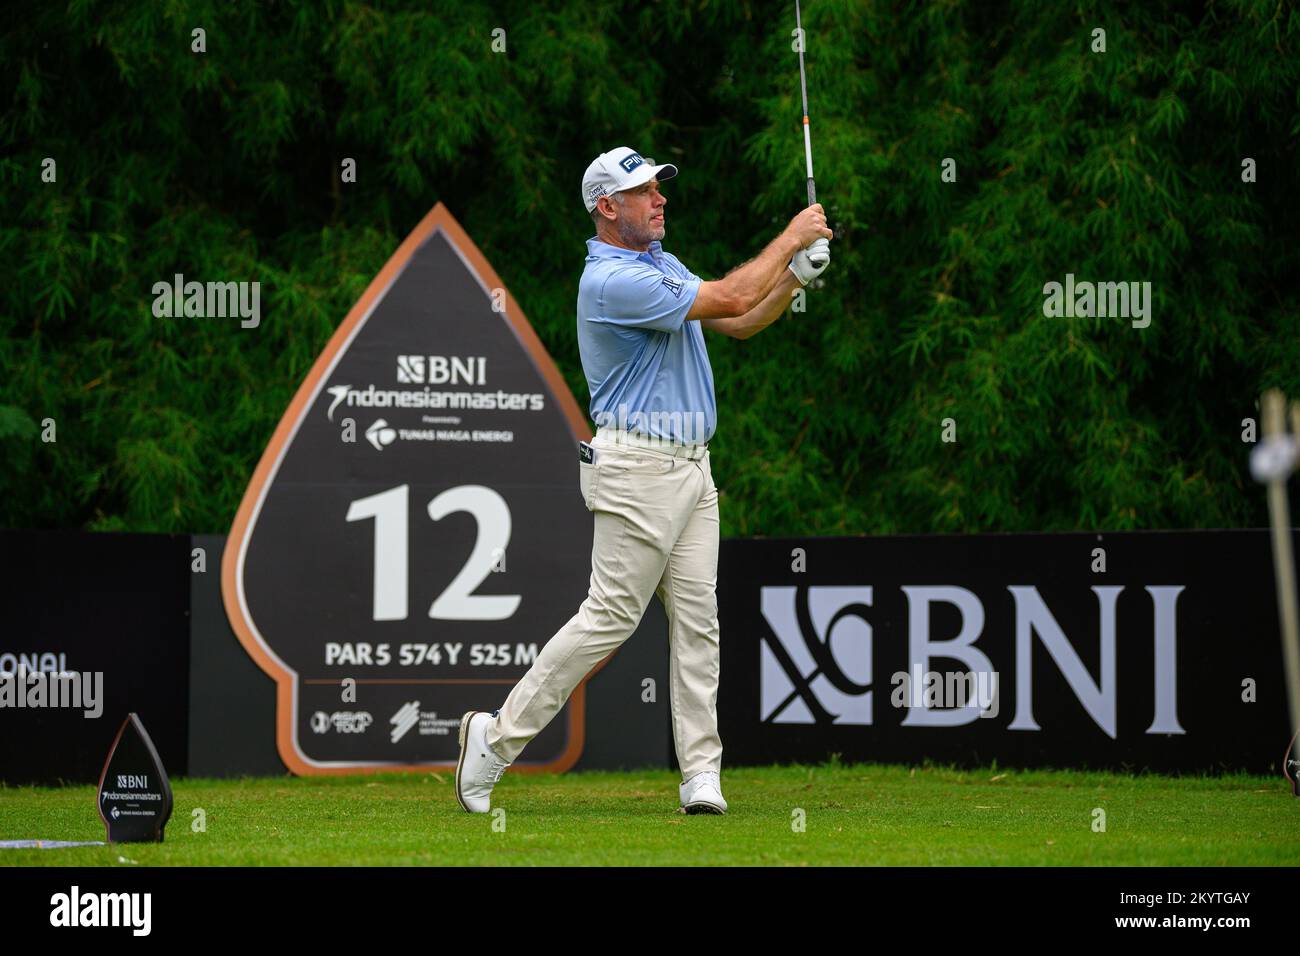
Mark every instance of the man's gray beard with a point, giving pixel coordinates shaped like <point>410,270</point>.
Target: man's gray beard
<point>630,235</point>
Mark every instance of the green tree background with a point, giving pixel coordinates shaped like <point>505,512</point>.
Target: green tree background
<point>1124,165</point>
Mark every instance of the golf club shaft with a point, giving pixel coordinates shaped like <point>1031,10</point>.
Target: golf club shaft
<point>803,89</point>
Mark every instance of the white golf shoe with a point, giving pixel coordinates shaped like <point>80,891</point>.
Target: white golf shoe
<point>479,768</point>
<point>703,793</point>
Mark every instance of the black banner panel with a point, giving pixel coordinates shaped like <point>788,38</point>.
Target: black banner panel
<point>414,533</point>
<point>96,626</point>
<point>1155,650</point>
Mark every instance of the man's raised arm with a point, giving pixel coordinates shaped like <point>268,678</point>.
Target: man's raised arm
<point>746,286</point>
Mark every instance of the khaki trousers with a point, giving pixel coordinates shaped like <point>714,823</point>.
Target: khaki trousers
<point>656,532</point>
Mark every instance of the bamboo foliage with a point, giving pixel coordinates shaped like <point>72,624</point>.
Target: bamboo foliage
<point>224,165</point>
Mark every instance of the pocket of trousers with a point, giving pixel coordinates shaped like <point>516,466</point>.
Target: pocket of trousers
<point>637,462</point>
<point>587,483</point>
<point>708,472</point>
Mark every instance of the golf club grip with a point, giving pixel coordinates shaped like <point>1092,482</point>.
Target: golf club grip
<point>817,253</point>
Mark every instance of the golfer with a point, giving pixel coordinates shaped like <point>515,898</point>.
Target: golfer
<point>646,475</point>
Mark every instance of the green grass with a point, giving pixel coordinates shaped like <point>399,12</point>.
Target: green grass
<point>855,815</point>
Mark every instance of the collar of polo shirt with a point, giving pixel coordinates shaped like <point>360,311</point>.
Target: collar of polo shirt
<point>607,251</point>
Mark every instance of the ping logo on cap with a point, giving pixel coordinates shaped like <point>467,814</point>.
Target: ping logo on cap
<point>631,162</point>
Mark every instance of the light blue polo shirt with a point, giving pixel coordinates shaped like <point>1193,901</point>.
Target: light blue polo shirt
<point>646,366</point>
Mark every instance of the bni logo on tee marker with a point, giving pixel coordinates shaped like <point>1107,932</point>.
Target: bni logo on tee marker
<point>441,369</point>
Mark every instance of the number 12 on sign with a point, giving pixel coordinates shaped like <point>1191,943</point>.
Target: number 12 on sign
<point>390,510</point>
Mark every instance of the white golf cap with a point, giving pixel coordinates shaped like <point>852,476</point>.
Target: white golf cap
<point>619,169</point>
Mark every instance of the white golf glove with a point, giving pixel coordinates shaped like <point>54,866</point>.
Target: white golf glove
<point>804,267</point>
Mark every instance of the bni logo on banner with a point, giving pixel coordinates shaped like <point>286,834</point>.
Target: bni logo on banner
<point>816,663</point>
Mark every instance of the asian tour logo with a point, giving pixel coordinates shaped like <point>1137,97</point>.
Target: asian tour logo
<point>341,721</point>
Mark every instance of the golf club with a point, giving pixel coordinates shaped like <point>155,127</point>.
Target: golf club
<point>819,251</point>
